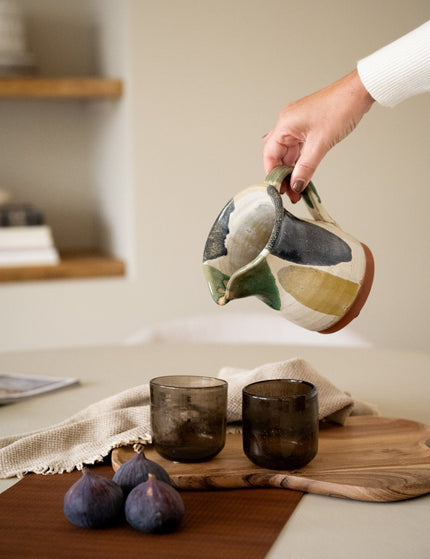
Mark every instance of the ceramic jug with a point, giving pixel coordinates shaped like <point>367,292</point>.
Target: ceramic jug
<point>310,270</point>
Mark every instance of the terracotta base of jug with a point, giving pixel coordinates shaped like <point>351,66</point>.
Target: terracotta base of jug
<point>361,298</point>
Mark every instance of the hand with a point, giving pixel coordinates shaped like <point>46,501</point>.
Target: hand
<point>308,128</point>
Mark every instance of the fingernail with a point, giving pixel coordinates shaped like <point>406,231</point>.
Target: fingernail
<point>298,186</point>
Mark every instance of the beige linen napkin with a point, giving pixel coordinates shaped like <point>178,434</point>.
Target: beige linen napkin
<point>123,419</point>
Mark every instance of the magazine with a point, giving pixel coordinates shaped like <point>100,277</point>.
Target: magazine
<point>15,387</point>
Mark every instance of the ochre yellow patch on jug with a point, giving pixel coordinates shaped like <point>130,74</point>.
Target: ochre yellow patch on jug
<point>318,290</point>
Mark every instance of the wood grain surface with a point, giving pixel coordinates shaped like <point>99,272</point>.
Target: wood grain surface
<point>43,87</point>
<point>368,459</point>
<point>74,263</point>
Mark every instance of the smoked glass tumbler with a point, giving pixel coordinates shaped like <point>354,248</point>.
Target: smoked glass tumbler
<point>280,423</point>
<point>188,416</point>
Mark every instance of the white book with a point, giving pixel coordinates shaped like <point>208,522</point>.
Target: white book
<point>31,236</point>
<point>29,257</point>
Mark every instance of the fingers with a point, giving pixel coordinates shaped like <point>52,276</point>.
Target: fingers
<point>304,157</point>
<point>280,152</point>
<point>292,155</point>
<point>311,156</point>
<point>273,152</point>
<point>286,189</point>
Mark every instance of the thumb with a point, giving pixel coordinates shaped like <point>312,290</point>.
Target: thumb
<point>311,156</point>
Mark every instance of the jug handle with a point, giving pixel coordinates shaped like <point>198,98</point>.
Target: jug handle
<point>309,195</point>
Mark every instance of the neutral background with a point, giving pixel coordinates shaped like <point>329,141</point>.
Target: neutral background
<point>146,176</point>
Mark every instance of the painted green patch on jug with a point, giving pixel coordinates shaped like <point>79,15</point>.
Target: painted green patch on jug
<point>255,279</point>
<point>217,281</point>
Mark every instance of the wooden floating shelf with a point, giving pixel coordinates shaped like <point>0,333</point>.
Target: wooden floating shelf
<point>74,264</point>
<point>60,88</point>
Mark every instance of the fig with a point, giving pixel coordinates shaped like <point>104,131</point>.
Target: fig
<point>94,501</point>
<point>136,470</point>
<point>154,507</point>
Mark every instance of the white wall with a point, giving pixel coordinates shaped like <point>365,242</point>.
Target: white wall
<point>209,81</point>
<point>204,81</point>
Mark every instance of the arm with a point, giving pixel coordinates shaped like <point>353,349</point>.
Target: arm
<point>308,128</point>
<point>400,70</point>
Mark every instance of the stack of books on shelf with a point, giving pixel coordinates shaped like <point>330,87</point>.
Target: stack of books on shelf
<point>25,239</point>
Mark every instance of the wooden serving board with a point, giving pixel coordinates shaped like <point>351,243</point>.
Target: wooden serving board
<point>367,459</point>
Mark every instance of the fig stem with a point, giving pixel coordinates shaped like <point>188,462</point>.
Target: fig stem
<point>138,447</point>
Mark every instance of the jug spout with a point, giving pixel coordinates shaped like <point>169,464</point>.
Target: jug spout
<point>255,279</point>
<point>234,256</point>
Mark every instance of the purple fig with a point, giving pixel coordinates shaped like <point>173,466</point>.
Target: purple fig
<point>94,501</point>
<point>154,507</point>
<point>136,470</point>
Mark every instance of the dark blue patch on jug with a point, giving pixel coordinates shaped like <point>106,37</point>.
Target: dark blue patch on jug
<point>302,242</point>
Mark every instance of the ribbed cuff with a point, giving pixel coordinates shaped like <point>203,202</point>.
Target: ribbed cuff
<point>399,70</point>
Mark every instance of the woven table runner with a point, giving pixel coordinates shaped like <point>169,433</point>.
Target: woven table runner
<point>234,523</point>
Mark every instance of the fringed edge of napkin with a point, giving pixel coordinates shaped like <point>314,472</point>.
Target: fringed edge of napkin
<point>96,458</point>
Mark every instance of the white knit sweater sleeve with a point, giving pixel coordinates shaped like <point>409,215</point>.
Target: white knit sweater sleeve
<point>399,70</point>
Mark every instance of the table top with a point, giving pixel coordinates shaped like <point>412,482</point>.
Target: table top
<point>397,382</point>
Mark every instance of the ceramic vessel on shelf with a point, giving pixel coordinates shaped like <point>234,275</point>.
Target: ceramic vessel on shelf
<point>310,270</point>
<point>15,60</point>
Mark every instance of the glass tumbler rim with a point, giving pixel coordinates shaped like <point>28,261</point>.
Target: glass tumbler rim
<point>166,381</point>
<point>311,393</point>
